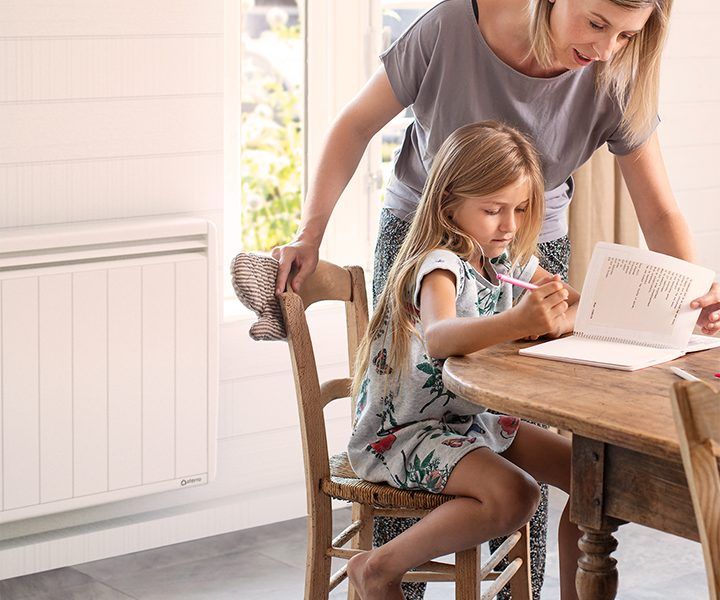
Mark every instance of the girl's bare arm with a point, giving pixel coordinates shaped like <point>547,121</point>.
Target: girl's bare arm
<point>446,334</point>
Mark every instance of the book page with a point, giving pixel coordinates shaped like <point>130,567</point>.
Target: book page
<point>632,295</point>
<point>639,295</point>
<point>698,343</point>
<point>612,355</point>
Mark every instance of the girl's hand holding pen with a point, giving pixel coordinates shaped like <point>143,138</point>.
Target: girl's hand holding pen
<point>542,311</point>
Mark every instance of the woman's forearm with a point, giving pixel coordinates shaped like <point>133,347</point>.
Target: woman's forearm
<point>349,136</point>
<point>669,234</point>
<point>340,157</point>
<point>661,221</point>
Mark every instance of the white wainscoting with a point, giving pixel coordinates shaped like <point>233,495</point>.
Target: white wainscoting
<point>690,112</point>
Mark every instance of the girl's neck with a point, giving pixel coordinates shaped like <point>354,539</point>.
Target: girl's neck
<point>480,264</point>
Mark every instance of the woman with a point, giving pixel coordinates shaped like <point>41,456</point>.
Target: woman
<point>571,74</point>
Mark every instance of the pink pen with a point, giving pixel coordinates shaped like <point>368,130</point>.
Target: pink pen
<point>523,284</point>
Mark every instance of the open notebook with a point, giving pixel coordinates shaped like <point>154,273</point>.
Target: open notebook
<point>634,311</point>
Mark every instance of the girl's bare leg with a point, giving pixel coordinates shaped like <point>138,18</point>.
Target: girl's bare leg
<point>551,466</point>
<point>495,498</point>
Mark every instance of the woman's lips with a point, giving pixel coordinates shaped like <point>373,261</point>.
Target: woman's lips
<point>581,59</point>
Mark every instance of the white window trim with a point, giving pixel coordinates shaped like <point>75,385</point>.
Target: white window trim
<point>231,141</point>
<point>343,41</point>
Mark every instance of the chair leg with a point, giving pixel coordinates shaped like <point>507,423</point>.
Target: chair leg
<point>520,585</point>
<point>317,570</point>
<point>363,538</point>
<point>467,568</point>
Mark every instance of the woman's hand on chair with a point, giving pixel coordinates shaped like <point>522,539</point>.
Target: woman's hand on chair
<point>298,260</point>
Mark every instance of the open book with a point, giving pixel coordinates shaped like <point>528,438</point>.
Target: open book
<point>634,311</point>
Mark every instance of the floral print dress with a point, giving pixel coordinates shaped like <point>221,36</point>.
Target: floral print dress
<point>411,433</point>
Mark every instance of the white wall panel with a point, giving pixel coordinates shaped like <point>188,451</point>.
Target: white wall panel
<point>699,206</point>
<point>275,392</point>
<point>124,377</point>
<point>691,167</point>
<point>326,323</point>
<point>85,190</point>
<point>158,349</point>
<point>708,250</point>
<point>41,18</point>
<point>2,444</point>
<point>36,133</point>
<point>20,402</point>
<point>685,25</point>
<point>687,80</point>
<point>100,67</point>
<point>696,8</point>
<point>191,353</point>
<point>108,109</point>
<point>56,386</point>
<point>90,410</point>
<point>689,124</point>
<point>690,109</point>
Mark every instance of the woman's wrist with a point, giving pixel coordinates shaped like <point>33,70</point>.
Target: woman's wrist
<point>309,235</point>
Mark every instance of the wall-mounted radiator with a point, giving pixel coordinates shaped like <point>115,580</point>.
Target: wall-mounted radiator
<point>108,346</point>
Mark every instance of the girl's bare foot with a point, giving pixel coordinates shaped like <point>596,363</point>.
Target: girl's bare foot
<point>367,575</point>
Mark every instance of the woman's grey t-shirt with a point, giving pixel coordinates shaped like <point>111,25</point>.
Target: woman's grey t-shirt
<point>444,70</point>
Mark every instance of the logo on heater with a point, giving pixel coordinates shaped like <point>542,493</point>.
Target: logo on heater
<point>190,481</point>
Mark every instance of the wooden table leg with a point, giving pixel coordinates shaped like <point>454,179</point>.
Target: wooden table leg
<point>597,576</point>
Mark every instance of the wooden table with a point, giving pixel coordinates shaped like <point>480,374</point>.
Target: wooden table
<point>626,458</point>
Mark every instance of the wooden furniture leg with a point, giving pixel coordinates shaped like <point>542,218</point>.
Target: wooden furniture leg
<point>597,576</point>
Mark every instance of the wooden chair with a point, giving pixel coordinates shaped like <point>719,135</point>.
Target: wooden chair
<point>696,408</point>
<point>332,477</point>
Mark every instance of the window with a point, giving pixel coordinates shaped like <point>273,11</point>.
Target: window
<point>271,123</point>
<point>292,65</point>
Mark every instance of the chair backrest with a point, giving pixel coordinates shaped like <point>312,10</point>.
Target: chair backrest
<point>696,408</point>
<point>328,282</point>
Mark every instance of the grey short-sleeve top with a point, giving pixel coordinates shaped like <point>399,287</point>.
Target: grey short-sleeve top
<point>444,70</point>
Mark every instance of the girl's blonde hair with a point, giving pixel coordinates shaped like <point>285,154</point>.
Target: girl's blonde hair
<point>475,160</point>
<point>632,75</point>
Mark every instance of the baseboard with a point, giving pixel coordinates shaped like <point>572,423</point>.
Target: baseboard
<point>143,531</point>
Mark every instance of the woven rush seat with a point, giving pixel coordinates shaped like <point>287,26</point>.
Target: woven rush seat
<point>344,484</point>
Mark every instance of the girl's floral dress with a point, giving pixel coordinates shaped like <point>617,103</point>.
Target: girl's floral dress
<point>411,433</point>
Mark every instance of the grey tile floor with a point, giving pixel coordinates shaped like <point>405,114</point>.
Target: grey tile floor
<point>268,563</point>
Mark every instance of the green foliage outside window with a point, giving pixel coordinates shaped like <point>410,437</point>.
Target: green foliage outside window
<point>271,163</point>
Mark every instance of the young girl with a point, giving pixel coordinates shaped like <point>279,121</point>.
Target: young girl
<point>479,216</point>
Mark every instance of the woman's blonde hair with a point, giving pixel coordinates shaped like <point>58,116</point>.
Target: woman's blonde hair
<point>475,160</point>
<point>632,75</point>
